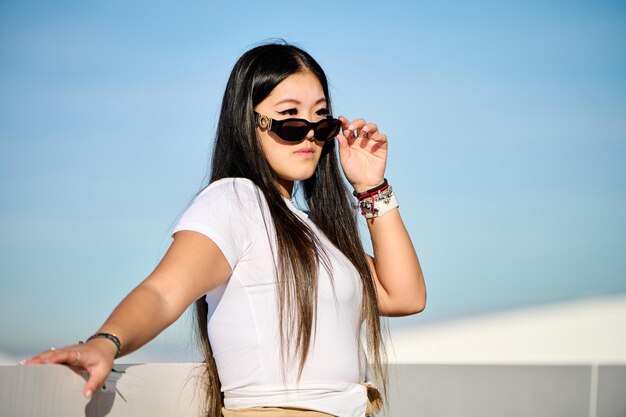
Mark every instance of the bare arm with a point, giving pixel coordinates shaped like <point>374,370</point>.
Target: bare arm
<point>396,269</point>
<point>395,266</point>
<point>192,266</point>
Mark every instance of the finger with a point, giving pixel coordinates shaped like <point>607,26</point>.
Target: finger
<point>380,138</point>
<point>97,375</point>
<point>78,357</point>
<point>344,127</point>
<point>363,135</point>
<point>66,355</point>
<point>370,128</point>
<point>356,124</point>
<point>342,140</point>
<point>60,356</point>
<point>40,358</point>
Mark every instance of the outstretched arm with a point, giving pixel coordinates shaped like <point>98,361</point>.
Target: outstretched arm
<point>395,266</point>
<point>192,266</point>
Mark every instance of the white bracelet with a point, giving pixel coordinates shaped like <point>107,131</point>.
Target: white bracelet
<point>378,204</point>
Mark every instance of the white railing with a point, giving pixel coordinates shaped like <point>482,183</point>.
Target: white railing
<point>155,390</point>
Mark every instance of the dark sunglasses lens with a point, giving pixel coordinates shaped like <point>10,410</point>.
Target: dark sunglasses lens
<point>294,130</point>
<point>327,129</point>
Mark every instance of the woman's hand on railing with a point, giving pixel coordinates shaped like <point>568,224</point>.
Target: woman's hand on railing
<point>96,357</point>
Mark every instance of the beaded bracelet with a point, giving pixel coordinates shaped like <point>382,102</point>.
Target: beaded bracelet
<point>113,338</point>
<point>371,190</point>
<point>377,201</point>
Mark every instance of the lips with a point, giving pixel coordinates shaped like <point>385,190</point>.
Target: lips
<point>305,151</point>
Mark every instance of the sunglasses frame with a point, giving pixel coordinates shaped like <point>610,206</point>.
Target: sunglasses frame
<point>273,125</point>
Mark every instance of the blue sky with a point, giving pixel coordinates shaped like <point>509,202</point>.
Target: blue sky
<point>507,129</point>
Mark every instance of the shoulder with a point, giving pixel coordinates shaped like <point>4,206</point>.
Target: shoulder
<point>227,212</point>
<point>232,184</point>
<point>232,197</point>
<point>230,189</point>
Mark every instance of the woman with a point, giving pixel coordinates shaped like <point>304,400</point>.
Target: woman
<point>281,295</point>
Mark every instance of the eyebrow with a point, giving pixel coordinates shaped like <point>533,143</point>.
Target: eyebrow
<point>294,101</point>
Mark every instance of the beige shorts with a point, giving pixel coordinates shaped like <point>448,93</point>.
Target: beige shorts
<point>374,404</point>
<point>272,412</point>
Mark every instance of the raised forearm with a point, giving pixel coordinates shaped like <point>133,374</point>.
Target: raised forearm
<point>396,266</point>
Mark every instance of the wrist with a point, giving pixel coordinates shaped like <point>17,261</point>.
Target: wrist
<point>377,201</point>
<point>360,190</point>
<point>107,339</point>
<point>104,346</point>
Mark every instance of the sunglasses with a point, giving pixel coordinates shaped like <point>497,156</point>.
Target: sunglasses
<point>295,130</point>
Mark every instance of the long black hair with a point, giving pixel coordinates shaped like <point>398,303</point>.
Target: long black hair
<point>238,153</point>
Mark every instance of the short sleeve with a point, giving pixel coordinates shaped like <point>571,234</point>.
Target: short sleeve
<point>225,212</point>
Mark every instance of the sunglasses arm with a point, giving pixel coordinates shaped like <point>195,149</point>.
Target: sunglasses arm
<point>264,122</point>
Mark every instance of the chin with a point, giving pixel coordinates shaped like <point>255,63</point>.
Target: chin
<point>299,176</point>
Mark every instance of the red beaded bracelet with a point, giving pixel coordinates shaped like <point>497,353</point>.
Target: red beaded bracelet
<point>371,191</point>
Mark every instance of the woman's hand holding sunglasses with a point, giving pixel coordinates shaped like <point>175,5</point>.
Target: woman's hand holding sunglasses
<point>362,153</point>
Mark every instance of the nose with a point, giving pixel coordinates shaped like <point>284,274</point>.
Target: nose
<point>310,135</point>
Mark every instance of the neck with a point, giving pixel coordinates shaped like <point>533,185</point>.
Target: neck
<point>285,187</point>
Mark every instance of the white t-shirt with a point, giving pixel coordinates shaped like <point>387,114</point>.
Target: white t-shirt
<point>243,315</point>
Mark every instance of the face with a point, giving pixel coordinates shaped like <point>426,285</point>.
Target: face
<point>297,96</point>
